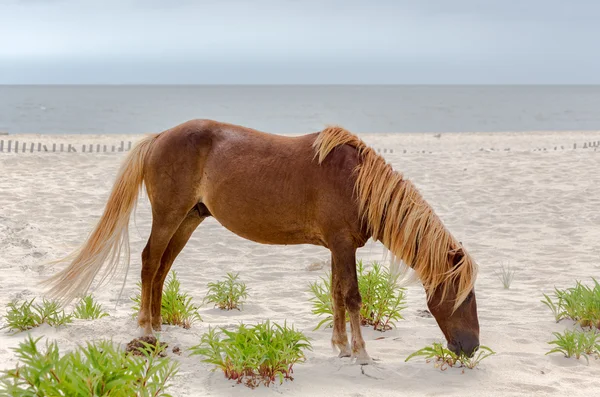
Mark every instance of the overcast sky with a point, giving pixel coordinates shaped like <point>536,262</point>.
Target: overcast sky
<point>300,41</point>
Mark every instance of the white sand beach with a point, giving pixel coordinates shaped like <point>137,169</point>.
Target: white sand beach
<point>532,206</point>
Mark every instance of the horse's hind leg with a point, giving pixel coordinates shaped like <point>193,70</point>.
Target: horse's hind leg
<point>340,337</point>
<point>164,226</point>
<point>344,261</point>
<point>178,241</point>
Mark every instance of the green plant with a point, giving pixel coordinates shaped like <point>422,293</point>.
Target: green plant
<point>228,294</point>
<point>441,356</point>
<point>87,309</point>
<point>176,306</point>
<point>444,358</point>
<point>254,354</point>
<point>98,369</point>
<point>580,303</point>
<point>22,316</point>
<point>555,307</point>
<point>506,275</point>
<point>576,343</point>
<point>471,362</point>
<point>382,298</point>
<point>322,301</point>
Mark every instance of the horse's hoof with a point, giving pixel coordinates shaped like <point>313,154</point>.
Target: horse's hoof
<point>157,328</point>
<point>344,354</point>
<point>364,361</point>
<point>146,331</point>
<point>344,350</point>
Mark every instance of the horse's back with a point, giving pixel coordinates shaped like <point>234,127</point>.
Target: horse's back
<point>265,187</point>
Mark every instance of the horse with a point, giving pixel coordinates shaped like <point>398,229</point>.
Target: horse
<point>326,188</point>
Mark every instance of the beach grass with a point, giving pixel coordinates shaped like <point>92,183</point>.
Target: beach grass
<point>580,304</point>
<point>227,294</point>
<point>254,354</point>
<point>98,368</point>
<point>88,309</point>
<point>444,358</point>
<point>382,299</point>
<point>25,315</point>
<point>576,343</point>
<point>177,307</point>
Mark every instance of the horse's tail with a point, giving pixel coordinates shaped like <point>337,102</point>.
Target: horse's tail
<point>109,241</point>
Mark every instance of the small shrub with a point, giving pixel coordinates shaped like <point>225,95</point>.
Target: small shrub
<point>576,343</point>
<point>444,358</point>
<point>506,275</point>
<point>98,369</point>
<point>87,309</point>
<point>254,354</point>
<point>382,298</point>
<point>322,301</point>
<point>176,306</point>
<point>580,303</point>
<point>22,316</point>
<point>228,294</point>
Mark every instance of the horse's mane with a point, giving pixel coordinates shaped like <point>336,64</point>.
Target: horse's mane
<point>397,215</point>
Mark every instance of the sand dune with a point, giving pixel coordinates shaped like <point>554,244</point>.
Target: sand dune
<point>534,209</point>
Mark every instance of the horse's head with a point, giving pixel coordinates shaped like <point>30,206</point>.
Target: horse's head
<point>460,326</point>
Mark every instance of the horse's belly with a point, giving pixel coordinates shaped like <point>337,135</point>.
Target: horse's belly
<point>265,223</point>
<point>265,232</point>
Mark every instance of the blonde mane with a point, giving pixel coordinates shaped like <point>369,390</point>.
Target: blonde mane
<point>397,215</point>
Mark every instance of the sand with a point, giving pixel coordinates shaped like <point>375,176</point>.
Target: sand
<point>535,209</point>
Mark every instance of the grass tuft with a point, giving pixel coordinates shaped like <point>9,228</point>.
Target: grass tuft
<point>228,294</point>
<point>382,298</point>
<point>87,309</point>
<point>176,306</point>
<point>506,275</point>
<point>444,358</point>
<point>254,354</point>
<point>97,369</point>
<point>576,343</point>
<point>21,316</point>
<point>580,304</point>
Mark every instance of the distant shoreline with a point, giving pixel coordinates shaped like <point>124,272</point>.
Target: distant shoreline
<point>294,109</point>
<point>288,85</point>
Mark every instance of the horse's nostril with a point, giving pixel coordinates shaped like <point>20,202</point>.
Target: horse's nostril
<point>454,348</point>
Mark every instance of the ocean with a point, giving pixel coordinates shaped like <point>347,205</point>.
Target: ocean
<point>299,109</point>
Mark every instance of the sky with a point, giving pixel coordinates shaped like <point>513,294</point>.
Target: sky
<point>299,42</point>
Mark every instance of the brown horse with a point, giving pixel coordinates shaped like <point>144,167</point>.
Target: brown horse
<point>326,188</point>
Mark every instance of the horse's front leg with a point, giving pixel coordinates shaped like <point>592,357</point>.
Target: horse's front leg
<point>340,338</point>
<point>344,258</point>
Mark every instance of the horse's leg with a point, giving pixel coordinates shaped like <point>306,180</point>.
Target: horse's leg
<point>178,241</point>
<point>164,226</point>
<point>344,254</point>
<point>340,337</point>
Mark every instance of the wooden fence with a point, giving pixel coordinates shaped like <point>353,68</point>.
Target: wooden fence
<point>7,146</point>
<point>31,147</point>
<point>15,146</point>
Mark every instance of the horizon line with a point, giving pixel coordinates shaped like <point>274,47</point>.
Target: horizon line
<point>296,84</point>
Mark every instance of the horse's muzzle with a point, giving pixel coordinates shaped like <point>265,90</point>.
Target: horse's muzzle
<point>467,347</point>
